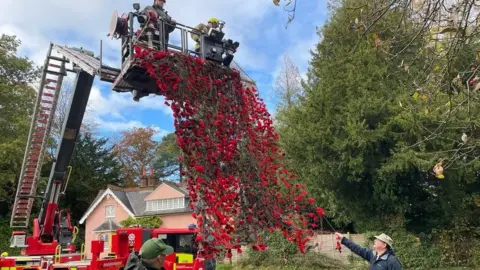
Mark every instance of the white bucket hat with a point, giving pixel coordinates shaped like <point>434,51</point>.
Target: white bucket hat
<point>386,239</point>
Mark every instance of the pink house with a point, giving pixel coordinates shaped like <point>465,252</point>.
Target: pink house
<point>167,200</point>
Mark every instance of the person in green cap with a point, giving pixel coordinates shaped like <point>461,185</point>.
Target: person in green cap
<point>151,257</point>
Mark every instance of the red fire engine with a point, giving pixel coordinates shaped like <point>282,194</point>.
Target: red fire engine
<point>50,245</point>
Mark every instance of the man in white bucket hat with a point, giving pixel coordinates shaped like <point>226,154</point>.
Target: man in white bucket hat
<point>381,258</point>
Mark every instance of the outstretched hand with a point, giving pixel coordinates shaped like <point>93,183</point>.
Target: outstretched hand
<point>339,235</point>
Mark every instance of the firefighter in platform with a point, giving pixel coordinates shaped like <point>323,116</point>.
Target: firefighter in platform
<point>151,257</point>
<point>158,7</point>
<point>212,23</point>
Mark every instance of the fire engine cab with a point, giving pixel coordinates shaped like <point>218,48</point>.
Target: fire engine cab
<point>127,240</point>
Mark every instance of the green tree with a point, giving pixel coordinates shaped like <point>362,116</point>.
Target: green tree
<point>166,162</point>
<point>354,138</point>
<point>17,99</point>
<point>94,165</point>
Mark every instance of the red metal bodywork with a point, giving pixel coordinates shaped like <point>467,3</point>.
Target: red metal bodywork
<point>124,242</point>
<point>35,246</point>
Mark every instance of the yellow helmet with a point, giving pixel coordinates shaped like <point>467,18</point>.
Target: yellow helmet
<point>213,20</point>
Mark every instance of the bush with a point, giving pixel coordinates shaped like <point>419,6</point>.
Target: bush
<point>460,245</point>
<point>282,254</point>
<point>146,222</point>
<point>278,247</point>
<point>5,235</point>
<point>308,261</point>
<point>222,266</point>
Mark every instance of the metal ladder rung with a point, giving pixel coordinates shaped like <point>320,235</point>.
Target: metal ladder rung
<point>54,65</point>
<point>58,59</point>
<point>56,73</point>
<point>41,125</point>
<point>48,80</point>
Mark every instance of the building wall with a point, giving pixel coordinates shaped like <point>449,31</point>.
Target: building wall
<point>177,220</point>
<point>96,218</point>
<point>164,192</point>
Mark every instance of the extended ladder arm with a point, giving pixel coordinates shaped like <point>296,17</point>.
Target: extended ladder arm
<point>58,174</point>
<point>47,232</point>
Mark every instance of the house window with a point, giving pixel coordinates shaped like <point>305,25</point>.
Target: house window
<point>105,238</point>
<point>110,211</point>
<point>166,204</point>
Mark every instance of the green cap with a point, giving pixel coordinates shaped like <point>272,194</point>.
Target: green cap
<point>153,248</point>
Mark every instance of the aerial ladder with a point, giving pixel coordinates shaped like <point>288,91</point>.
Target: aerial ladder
<point>53,228</point>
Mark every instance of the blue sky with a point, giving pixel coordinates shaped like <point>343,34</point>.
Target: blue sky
<point>257,24</point>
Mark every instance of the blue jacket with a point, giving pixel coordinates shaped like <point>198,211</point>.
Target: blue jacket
<point>387,261</point>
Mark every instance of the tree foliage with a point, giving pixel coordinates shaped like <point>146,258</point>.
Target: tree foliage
<point>17,99</point>
<point>135,151</point>
<point>144,222</point>
<point>447,39</point>
<point>94,166</point>
<point>166,162</point>
<point>357,137</point>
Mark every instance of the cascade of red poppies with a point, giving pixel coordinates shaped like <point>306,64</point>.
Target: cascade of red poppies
<point>237,183</point>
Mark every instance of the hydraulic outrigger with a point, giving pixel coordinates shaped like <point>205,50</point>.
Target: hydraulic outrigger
<point>52,229</point>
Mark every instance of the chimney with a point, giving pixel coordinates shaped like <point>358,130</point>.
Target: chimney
<point>143,179</point>
<point>152,181</point>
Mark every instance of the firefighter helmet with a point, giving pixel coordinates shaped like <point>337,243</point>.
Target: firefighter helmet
<point>213,20</point>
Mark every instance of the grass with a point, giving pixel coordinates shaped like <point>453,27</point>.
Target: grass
<point>237,267</point>
<point>355,266</point>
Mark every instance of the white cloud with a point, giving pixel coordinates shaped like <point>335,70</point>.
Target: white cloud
<point>118,126</point>
<point>34,44</point>
<point>84,23</point>
<point>90,20</point>
<point>118,105</point>
<point>118,108</point>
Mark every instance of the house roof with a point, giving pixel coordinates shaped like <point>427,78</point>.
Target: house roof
<point>108,226</point>
<point>133,200</point>
<point>179,188</point>
<point>97,200</point>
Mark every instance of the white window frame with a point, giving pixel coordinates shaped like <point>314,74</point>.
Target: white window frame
<point>105,238</point>
<point>108,213</point>
<point>166,204</point>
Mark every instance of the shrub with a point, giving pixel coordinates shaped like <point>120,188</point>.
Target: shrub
<point>284,254</point>
<point>146,222</point>
<point>278,247</point>
<point>460,245</point>
<point>310,260</point>
<point>222,266</point>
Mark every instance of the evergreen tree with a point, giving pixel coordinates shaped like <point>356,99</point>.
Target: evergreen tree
<point>354,136</point>
<point>94,165</point>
